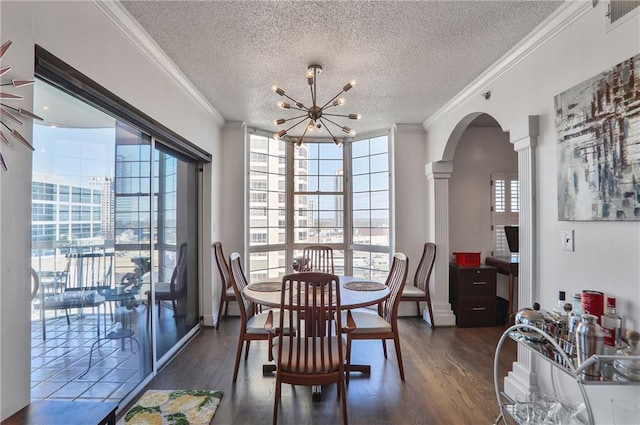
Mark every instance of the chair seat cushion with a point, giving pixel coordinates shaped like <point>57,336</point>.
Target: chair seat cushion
<point>307,363</point>
<point>410,291</point>
<point>367,323</point>
<point>255,325</point>
<point>162,292</point>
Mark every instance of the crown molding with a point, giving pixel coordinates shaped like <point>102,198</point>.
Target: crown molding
<point>123,20</point>
<point>409,128</point>
<point>233,125</point>
<point>563,17</point>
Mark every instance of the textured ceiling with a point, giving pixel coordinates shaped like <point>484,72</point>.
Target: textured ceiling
<point>408,58</point>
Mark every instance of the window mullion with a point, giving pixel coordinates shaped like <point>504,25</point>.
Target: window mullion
<point>290,220</point>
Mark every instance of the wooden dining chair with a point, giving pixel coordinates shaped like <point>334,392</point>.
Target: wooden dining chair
<point>251,322</point>
<point>174,290</point>
<point>316,354</point>
<point>419,291</point>
<point>318,258</point>
<point>383,325</point>
<point>227,293</point>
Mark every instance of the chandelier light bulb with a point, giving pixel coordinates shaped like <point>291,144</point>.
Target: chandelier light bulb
<point>355,116</point>
<point>339,102</point>
<point>310,126</point>
<point>279,121</point>
<point>278,90</point>
<point>279,134</point>
<point>283,105</point>
<point>337,141</point>
<point>319,127</point>
<point>348,86</point>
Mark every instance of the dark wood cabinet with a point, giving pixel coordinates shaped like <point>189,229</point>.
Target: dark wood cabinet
<point>472,294</point>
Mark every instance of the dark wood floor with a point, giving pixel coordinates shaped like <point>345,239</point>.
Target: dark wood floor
<point>449,379</point>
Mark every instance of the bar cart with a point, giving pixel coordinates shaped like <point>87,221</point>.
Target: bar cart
<point>560,355</point>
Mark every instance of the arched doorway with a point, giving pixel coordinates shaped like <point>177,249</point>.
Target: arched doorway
<point>522,135</point>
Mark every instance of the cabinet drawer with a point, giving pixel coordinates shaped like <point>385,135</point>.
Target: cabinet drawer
<point>480,285</point>
<point>476,312</point>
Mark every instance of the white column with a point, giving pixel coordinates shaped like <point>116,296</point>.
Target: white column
<point>523,137</point>
<point>438,175</point>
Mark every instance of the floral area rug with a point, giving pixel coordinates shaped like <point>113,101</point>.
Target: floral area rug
<point>173,407</point>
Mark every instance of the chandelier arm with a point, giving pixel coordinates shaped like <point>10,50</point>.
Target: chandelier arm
<point>303,119</point>
<point>315,86</point>
<point>327,127</point>
<point>302,137</point>
<point>294,101</point>
<point>332,99</point>
<point>313,95</point>
<point>293,118</point>
<point>335,115</point>
<point>299,109</point>
<point>332,122</point>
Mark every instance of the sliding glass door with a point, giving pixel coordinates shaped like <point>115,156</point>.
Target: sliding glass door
<point>175,187</point>
<point>115,249</point>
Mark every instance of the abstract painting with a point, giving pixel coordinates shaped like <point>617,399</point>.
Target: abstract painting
<point>598,126</point>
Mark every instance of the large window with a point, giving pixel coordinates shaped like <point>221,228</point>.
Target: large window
<point>319,193</point>
<point>371,237</point>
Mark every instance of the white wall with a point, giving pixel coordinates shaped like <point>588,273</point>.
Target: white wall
<point>81,35</point>
<point>606,254</point>
<point>410,194</point>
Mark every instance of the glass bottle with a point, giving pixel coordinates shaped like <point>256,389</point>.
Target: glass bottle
<point>577,304</point>
<point>560,308</point>
<point>627,367</point>
<point>611,324</point>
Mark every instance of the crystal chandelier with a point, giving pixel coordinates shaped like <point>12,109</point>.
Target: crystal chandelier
<point>316,115</point>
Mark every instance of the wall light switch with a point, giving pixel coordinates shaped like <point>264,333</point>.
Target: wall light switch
<point>567,240</point>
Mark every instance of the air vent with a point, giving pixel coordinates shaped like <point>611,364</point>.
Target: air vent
<point>619,8</point>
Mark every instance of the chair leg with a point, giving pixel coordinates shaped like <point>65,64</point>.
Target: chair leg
<point>219,313</point>
<point>433,325</point>
<point>246,349</point>
<point>226,308</point>
<point>418,308</point>
<point>277,400</point>
<point>348,358</point>
<point>384,347</point>
<point>396,341</point>
<point>238,353</point>
<point>343,392</point>
<point>174,304</point>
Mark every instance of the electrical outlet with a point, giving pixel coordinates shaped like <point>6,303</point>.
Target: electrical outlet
<point>567,240</point>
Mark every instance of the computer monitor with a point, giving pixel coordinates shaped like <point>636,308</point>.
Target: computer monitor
<point>511,232</point>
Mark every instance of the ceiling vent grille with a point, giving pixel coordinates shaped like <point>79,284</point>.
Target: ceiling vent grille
<point>619,8</point>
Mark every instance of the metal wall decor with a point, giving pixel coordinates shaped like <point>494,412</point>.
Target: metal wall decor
<point>317,115</point>
<point>10,115</point>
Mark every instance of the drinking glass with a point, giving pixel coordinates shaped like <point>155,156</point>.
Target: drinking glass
<point>523,410</point>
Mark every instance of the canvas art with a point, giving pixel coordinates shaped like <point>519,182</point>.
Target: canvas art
<point>598,125</point>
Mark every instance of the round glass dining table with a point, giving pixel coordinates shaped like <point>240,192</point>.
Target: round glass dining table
<point>349,298</point>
